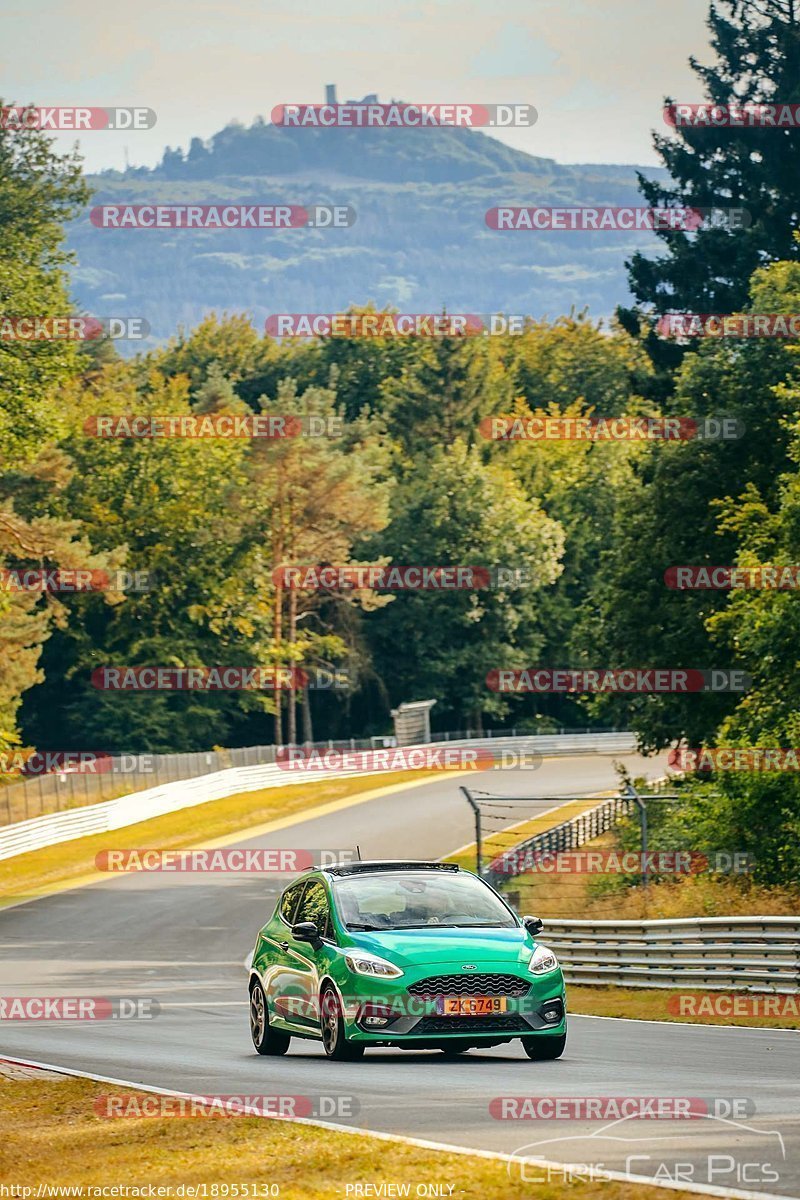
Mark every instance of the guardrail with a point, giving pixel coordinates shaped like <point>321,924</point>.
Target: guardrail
<point>759,954</point>
<point>170,797</point>
<point>115,775</point>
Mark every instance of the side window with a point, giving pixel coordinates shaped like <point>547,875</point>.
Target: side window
<point>314,907</point>
<point>289,902</point>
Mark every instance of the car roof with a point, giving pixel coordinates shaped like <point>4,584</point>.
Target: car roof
<point>375,866</point>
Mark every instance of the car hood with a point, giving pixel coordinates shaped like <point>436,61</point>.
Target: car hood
<point>450,947</point>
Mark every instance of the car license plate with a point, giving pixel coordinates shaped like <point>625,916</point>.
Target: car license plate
<point>470,1006</point>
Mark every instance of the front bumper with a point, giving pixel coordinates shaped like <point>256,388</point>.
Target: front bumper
<point>389,1013</point>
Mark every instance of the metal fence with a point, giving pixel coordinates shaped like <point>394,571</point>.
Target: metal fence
<point>759,954</point>
<point>560,838</point>
<point>470,735</point>
<point>137,806</point>
<point>141,806</point>
<point>122,774</point>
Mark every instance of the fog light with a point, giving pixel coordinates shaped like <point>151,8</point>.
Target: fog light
<point>552,1011</point>
<point>376,1016</point>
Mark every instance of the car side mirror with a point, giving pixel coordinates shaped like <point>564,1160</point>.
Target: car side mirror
<point>533,925</point>
<point>307,931</point>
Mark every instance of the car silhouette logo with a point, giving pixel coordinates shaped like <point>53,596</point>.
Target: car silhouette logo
<point>468,966</point>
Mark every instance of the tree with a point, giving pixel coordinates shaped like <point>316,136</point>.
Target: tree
<point>308,500</point>
<point>39,191</point>
<point>442,393</point>
<point>229,341</point>
<point>757,43</point>
<point>166,504</point>
<point>574,359</point>
<point>451,509</point>
<point>668,515</point>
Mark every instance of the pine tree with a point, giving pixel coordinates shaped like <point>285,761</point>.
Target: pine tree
<point>757,43</point>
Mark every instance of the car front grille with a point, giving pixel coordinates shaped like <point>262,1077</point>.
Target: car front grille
<point>507,1023</point>
<point>470,985</point>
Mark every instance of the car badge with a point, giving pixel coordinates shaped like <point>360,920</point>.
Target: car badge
<point>468,966</point>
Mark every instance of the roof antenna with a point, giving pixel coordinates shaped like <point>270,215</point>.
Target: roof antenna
<point>358,852</point>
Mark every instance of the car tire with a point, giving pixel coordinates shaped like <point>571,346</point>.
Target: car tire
<point>544,1048</point>
<point>331,1022</point>
<point>265,1039</point>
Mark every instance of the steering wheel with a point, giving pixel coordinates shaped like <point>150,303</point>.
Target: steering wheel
<point>376,919</point>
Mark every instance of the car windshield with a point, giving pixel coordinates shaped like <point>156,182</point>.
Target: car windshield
<point>418,900</point>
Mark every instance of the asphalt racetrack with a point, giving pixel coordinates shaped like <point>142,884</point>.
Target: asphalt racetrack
<point>182,940</point>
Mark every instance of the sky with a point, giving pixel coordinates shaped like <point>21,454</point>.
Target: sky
<point>597,73</point>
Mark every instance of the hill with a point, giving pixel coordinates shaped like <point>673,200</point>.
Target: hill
<point>420,241</point>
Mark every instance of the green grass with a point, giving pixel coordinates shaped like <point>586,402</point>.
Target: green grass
<point>652,1004</point>
<point>52,1135</point>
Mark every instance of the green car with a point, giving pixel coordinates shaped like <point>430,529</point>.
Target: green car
<point>420,955</point>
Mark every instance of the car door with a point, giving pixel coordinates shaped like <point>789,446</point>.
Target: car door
<point>276,960</point>
<point>304,962</point>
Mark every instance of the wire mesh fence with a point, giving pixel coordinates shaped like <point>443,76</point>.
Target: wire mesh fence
<point>551,867</point>
<point>106,777</point>
<point>111,776</point>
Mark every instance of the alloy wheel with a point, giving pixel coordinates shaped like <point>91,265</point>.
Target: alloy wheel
<point>258,1014</point>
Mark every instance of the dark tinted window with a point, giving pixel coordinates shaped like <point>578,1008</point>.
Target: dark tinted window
<point>314,907</point>
<point>289,902</point>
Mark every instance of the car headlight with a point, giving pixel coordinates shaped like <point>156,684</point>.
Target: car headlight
<point>364,963</point>
<point>542,960</point>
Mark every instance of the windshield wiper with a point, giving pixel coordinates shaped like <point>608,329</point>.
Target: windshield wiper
<point>450,925</point>
<point>427,925</point>
<point>481,925</point>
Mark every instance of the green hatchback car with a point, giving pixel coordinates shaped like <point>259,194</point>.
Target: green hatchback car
<point>419,955</point>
